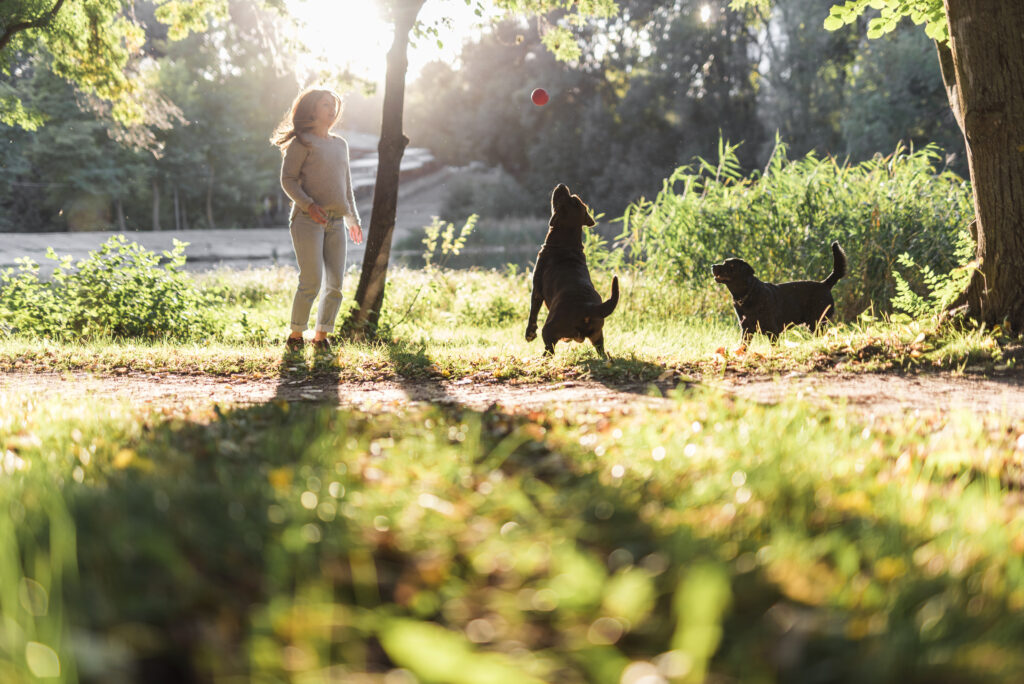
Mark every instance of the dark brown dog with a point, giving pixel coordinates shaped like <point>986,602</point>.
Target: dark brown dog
<point>561,279</point>
<point>767,308</point>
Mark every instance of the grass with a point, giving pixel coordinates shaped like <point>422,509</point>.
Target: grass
<point>460,324</point>
<point>716,541</point>
<point>721,539</point>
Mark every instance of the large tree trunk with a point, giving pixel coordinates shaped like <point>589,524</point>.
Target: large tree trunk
<point>983,69</point>
<point>370,292</point>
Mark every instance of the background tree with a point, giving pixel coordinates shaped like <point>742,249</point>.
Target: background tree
<point>895,92</point>
<point>199,158</point>
<point>91,44</point>
<point>659,83</point>
<point>403,15</point>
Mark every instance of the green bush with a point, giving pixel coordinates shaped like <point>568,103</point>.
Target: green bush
<point>782,220</point>
<point>121,291</point>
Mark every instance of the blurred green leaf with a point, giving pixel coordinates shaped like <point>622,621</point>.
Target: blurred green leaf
<point>436,654</point>
<point>700,603</point>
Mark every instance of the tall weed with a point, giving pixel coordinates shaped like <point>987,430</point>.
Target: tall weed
<point>782,220</point>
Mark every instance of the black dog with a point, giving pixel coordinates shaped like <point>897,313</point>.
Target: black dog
<point>771,308</point>
<point>562,281</point>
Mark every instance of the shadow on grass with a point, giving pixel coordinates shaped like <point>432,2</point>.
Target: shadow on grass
<point>284,539</point>
<point>630,374</point>
<point>417,373</point>
<point>308,374</point>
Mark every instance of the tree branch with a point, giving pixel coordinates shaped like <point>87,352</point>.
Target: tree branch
<point>25,25</point>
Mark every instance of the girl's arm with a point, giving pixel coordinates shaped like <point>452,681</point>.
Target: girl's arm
<point>351,213</point>
<point>294,156</point>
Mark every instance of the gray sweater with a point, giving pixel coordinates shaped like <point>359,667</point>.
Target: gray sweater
<point>319,173</point>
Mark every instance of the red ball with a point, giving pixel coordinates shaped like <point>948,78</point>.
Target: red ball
<point>539,97</point>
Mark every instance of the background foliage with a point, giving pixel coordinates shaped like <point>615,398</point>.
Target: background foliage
<point>653,87</point>
<point>783,220</point>
<point>121,291</point>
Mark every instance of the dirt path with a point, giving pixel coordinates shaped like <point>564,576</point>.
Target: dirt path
<point>871,394</point>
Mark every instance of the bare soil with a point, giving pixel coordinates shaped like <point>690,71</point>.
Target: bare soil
<point>867,393</point>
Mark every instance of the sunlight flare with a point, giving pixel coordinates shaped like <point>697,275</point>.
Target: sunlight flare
<point>342,35</point>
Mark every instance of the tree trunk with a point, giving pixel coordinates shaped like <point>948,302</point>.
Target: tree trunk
<point>177,210</point>
<point>983,70</point>
<point>372,279</point>
<point>156,204</point>
<point>209,200</point>
<point>119,209</point>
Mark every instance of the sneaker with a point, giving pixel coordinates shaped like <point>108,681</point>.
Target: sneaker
<point>323,345</point>
<point>294,343</point>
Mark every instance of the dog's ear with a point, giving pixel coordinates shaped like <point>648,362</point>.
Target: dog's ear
<point>588,220</point>
<point>559,196</point>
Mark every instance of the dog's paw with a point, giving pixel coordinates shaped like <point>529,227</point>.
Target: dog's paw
<point>531,334</point>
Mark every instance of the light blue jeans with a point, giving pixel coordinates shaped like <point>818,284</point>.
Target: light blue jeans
<point>320,253</point>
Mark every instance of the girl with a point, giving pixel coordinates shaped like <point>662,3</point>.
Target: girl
<point>315,175</point>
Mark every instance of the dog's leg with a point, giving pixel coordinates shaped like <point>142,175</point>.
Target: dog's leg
<point>536,299</point>
<point>828,316</point>
<point>746,331</point>
<point>598,342</point>
<point>531,325</point>
<point>550,338</point>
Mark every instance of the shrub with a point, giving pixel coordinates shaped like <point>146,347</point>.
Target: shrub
<point>121,290</point>
<point>782,221</point>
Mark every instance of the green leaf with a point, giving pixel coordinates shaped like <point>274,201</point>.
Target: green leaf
<point>833,23</point>
<point>42,660</point>
<point>436,654</point>
<point>630,595</point>
<point>700,602</point>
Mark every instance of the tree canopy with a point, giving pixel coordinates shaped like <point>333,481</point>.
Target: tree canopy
<point>97,45</point>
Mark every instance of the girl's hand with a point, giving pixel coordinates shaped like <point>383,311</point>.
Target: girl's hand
<point>356,233</point>
<point>316,213</point>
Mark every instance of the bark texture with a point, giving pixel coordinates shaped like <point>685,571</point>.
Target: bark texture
<point>370,292</point>
<point>983,70</point>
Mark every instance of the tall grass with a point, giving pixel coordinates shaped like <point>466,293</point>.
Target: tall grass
<point>782,220</point>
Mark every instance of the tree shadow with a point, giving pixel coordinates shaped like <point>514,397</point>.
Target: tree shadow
<point>634,375</point>
<point>270,541</point>
<point>417,373</point>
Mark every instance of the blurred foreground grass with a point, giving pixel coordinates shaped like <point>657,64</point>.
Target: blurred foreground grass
<point>719,541</point>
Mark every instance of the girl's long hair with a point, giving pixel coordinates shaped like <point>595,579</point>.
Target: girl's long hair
<point>299,118</point>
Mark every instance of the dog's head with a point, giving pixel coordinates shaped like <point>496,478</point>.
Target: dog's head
<point>568,210</point>
<point>732,271</point>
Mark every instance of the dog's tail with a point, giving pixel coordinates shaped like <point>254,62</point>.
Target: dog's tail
<point>604,309</point>
<point>838,266</point>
